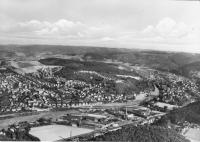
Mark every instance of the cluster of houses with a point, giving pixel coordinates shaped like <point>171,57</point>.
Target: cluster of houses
<point>176,90</point>
<point>26,92</point>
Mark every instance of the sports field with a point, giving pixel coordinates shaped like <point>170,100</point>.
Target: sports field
<point>57,132</point>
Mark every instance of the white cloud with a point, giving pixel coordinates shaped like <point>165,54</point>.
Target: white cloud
<point>166,34</point>
<point>107,39</point>
<point>149,30</point>
<point>61,28</point>
<point>168,28</point>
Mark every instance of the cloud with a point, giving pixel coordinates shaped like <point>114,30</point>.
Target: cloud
<point>107,39</point>
<point>168,28</point>
<point>165,30</point>
<point>169,31</point>
<point>62,28</point>
<point>166,34</point>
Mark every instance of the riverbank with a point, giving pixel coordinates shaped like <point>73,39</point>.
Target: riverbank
<point>31,118</point>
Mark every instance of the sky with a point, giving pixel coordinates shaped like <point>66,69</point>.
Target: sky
<point>171,25</point>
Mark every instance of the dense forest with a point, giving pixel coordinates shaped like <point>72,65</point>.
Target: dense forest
<point>142,134</point>
<point>189,113</point>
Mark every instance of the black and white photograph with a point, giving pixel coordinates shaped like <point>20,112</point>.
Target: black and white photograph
<point>100,70</point>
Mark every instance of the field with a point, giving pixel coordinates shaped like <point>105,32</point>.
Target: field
<point>28,66</point>
<point>193,135</point>
<point>57,132</point>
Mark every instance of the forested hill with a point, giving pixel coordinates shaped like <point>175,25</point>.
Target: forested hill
<point>176,62</point>
<point>142,134</point>
<point>189,113</point>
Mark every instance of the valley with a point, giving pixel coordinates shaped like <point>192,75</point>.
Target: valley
<point>137,87</point>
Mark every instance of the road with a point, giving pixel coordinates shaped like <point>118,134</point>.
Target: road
<point>138,100</point>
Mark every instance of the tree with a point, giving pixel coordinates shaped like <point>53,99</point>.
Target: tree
<point>165,108</point>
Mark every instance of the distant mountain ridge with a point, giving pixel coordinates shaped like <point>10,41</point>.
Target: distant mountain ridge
<point>175,62</point>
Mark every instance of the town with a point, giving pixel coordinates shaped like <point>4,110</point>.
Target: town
<point>94,104</point>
